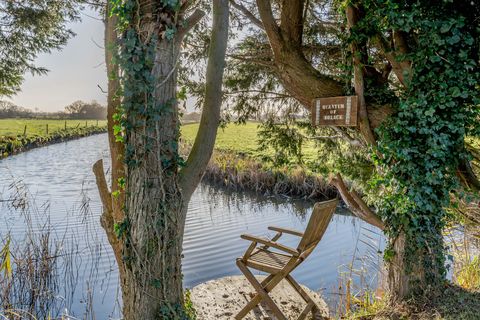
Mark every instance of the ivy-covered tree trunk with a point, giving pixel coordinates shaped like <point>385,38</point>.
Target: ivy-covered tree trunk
<point>154,206</point>
<point>145,211</point>
<point>418,102</point>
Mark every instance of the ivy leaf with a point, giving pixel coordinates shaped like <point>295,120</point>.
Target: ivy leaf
<point>170,33</point>
<point>453,40</point>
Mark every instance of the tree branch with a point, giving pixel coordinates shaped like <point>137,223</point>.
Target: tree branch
<point>400,68</point>
<point>355,203</point>
<point>467,175</point>
<point>117,149</point>
<point>291,20</point>
<point>102,186</point>
<point>353,17</point>
<point>189,23</point>
<point>247,14</point>
<point>298,76</point>
<point>268,21</point>
<point>202,149</point>
<point>353,142</point>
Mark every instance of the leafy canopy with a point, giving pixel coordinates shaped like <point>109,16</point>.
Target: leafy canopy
<point>27,28</point>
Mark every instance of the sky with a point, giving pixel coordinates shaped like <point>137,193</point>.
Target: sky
<point>75,72</point>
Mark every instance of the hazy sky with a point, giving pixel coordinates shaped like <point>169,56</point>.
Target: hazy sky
<point>74,73</point>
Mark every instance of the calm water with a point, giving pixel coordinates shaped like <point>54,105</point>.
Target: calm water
<point>59,181</point>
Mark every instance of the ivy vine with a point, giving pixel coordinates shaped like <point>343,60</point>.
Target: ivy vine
<point>423,142</point>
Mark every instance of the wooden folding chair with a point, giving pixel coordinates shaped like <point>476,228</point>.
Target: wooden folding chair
<point>279,265</point>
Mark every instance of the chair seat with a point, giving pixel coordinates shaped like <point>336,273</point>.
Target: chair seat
<point>266,260</point>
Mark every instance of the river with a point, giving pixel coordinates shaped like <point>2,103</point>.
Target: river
<point>60,196</point>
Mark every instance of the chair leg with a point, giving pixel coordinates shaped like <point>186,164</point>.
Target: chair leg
<point>311,305</point>
<point>262,293</point>
<point>305,311</point>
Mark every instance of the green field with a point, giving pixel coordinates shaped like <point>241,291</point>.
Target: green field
<point>14,127</point>
<point>237,138</point>
<point>240,138</point>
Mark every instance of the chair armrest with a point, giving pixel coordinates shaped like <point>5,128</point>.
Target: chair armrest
<point>270,243</point>
<point>284,230</point>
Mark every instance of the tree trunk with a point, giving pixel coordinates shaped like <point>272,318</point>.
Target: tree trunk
<point>398,280</point>
<point>145,224</point>
<point>415,272</point>
<point>154,206</point>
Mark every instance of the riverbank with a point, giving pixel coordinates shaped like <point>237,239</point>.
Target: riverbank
<point>223,298</point>
<point>244,173</point>
<point>10,145</point>
<point>238,163</point>
<point>454,303</point>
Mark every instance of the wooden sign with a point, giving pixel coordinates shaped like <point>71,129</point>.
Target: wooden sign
<point>335,111</point>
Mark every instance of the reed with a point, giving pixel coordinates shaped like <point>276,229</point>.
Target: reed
<point>41,270</point>
<point>240,172</point>
<point>359,295</point>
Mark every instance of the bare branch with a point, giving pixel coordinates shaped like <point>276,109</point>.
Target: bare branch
<point>271,27</point>
<point>202,148</point>
<point>364,123</point>
<point>346,136</point>
<point>355,203</point>
<point>189,23</point>
<point>292,20</point>
<point>102,186</point>
<point>247,14</point>
<point>400,68</point>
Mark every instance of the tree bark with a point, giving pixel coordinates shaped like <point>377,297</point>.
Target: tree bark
<point>154,206</point>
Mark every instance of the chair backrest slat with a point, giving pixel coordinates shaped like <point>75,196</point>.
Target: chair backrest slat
<point>317,225</point>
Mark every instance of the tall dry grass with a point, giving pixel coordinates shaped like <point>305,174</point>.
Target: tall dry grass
<point>237,172</point>
<point>45,272</point>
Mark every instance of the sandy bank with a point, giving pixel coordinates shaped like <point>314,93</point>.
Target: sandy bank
<point>221,299</point>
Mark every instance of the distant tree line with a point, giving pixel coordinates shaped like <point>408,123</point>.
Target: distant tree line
<point>84,110</point>
<point>76,110</point>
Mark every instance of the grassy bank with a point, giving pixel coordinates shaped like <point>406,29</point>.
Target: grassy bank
<point>17,135</point>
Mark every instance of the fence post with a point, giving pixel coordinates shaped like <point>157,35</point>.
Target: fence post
<point>85,124</point>
<point>65,124</point>
<point>25,131</point>
<point>97,123</point>
<point>47,128</point>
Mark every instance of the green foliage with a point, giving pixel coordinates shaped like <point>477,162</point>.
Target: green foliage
<point>122,228</point>
<point>286,141</point>
<point>421,145</point>
<point>27,28</point>
<point>189,308</point>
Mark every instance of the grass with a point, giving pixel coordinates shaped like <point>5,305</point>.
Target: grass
<point>241,139</point>
<point>14,127</point>
<point>454,303</point>
<point>238,138</point>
